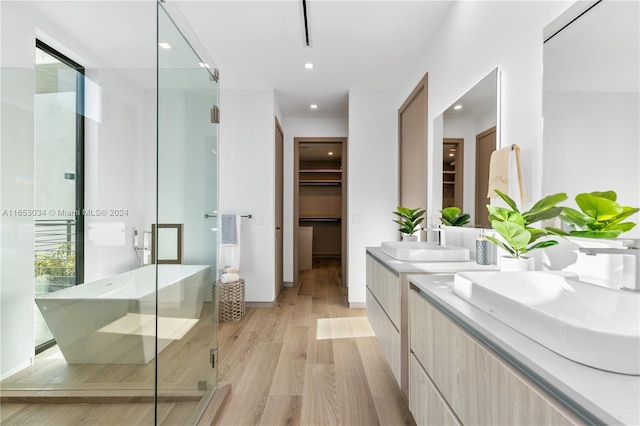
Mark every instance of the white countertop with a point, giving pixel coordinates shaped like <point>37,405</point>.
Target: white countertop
<point>602,397</point>
<point>404,267</point>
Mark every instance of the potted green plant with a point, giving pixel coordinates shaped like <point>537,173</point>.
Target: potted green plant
<point>451,217</point>
<point>518,236</point>
<point>409,221</point>
<point>601,216</point>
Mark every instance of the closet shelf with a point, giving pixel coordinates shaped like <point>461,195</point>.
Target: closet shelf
<point>319,219</point>
<point>321,182</point>
<point>321,171</point>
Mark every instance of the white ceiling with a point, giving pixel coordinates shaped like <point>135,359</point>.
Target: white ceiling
<point>356,43</point>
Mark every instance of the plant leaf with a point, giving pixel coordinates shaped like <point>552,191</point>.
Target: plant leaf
<point>575,217</point>
<point>507,200</point>
<point>546,203</point>
<point>542,244</point>
<point>498,213</point>
<point>598,208</point>
<point>502,245</point>
<point>462,220</point>
<point>622,227</point>
<point>450,213</point>
<point>543,215</point>
<point>595,234</point>
<point>516,218</point>
<point>536,233</point>
<point>609,195</point>
<point>626,212</point>
<point>555,231</point>
<point>514,235</point>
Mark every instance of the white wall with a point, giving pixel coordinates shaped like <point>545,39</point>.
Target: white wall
<point>588,148</point>
<point>247,182</point>
<point>301,128</point>
<point>114,172</point>
<point>373,179</point>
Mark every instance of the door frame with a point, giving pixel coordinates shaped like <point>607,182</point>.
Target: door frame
<point>421,90</point>
<point>279,210</point>
<point>459,176</point>
<point>479,207</point>
<point>296,197</point>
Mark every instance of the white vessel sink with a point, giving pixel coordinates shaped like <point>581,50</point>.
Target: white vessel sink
<point>423,251</point>
<point>586,323</point>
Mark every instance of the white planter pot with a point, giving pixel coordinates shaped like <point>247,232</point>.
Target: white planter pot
<point>509,264</point>
<point>407,237</point>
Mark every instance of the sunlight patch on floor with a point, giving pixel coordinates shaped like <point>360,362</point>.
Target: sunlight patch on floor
<point>145,325</point>
<point>343,328</point>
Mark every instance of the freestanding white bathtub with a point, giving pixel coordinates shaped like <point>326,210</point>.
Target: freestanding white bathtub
<point>112,320</point>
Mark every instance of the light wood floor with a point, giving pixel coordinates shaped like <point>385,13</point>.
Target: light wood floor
<point>310,360</point>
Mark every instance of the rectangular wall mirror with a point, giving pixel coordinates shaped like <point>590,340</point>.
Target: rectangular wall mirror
<point>591,102</point>
<point>468,132</point>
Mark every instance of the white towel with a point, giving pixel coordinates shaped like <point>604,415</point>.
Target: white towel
<point>229,278</point>
<point>505,174</point>
<point>229,254</point>
<point>514,181</point>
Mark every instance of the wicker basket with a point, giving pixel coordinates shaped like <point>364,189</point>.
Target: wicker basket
<point>230,301</point>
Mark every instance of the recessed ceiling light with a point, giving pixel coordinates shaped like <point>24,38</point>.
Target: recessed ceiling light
<point>457,107</point>
<point>203,65</point>
<point>452,150</point>
<point>308,65</point>
<point>452,155</point>
<point>314,106</point>
<point>164,45</point>
<point>330,153</point>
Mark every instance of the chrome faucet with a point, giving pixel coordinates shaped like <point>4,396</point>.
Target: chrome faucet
<point>630,264</point>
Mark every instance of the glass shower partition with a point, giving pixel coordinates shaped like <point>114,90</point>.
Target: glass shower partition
<point>135,337</point>
<point>186,232</point>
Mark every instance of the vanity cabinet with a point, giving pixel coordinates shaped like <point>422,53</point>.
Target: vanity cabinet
<point>383,312</point>
<point>387,303</point>
<point>455,379</point>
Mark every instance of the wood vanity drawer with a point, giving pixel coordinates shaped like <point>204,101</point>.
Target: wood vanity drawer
<point>388,336</point>
<point>385,286</point>
<point>479,386</point>
<point>425,404</point>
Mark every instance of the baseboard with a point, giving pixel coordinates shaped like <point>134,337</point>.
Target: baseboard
<point>259,304</point>
<point>286,284</point>
<point>357,305</point>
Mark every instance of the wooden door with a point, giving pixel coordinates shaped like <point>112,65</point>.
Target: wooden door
<point>485,145</point>
<point>279,183</point>
<point>412,173</point>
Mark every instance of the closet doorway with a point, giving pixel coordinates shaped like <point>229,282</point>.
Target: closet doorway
<point>320,204</point>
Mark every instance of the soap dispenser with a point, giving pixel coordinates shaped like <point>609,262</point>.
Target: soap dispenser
<point>483,250</point>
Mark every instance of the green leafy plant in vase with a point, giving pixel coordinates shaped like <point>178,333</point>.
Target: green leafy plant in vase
<point>518,236</point>
<point>409,220</point>
<point>601,216</point>
<point>451,217</point>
